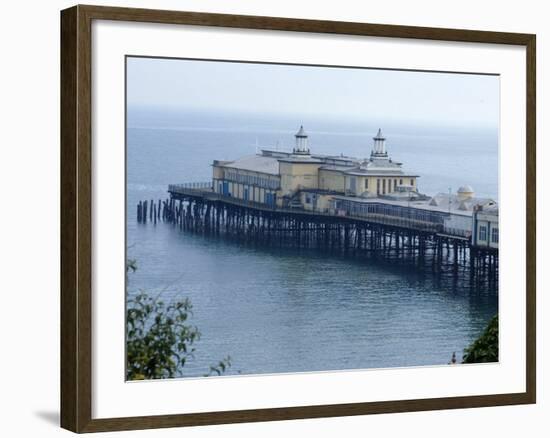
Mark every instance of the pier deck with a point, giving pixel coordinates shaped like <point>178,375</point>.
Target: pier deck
<point>182,192</point>
<point>400,240</point>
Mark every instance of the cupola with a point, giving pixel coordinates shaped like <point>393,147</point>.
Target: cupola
<point>465,192</point>
<point>379,147</point>
<point>302,144</point>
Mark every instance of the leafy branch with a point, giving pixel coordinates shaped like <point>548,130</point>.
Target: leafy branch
<point>220,367</point>
<point>159,338</point>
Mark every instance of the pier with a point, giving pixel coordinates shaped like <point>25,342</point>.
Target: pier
<point>397,239</point>
<point>366,207</point>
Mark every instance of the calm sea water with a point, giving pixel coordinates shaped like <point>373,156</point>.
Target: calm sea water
<point>282,310</point>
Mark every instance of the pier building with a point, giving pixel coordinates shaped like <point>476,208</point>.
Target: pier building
<point>485,226</point>
<point>370,206</point>
<point>300,178</point>
<point>346,186</point>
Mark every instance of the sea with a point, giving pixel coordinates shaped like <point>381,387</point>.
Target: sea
<point>278,310</point>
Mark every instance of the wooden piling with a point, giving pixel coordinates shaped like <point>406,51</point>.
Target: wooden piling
<point>443,255</point>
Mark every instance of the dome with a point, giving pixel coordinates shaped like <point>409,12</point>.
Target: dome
<point>465,189</point>
<point>465,192</point>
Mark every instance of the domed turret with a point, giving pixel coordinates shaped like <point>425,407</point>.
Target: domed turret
<point>465,192</point>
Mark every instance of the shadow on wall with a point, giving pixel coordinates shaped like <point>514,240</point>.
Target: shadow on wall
<point>51,417</point>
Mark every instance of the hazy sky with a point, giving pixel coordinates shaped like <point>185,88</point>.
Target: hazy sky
<point>341,93</point>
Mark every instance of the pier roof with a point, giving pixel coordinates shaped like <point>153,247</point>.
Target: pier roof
<point>444,200</point>
<point>331,159</point>
<point>339,160</point>
<point>457,208</point>
<point>335,167</point>
<point>304,159</point>
<point>255,163</point>
<point>379,172</point>
<point>486,211</point>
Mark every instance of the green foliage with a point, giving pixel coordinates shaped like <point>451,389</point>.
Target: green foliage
<point>484,348</point>
<point>159,338</point>
<point>220,367</point>
<point>131,265</point>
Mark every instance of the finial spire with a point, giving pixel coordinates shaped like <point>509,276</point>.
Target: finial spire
<point>301,132</point>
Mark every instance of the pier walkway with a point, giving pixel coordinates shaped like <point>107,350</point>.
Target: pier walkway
<point>400,240</point>
<point>183,192</point>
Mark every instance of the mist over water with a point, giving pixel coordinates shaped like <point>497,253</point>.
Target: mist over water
<point>281,310</point>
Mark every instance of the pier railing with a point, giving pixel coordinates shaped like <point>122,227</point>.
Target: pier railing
<point>206,192</point>
<point>191,185</point>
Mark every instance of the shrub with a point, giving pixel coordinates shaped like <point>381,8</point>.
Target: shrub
<point>484,348</point>
<point>159,338</point>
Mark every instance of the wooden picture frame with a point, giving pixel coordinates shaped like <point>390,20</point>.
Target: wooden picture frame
<point>76,217</point>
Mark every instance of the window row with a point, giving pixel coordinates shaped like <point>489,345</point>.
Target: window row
<point>384,185</point>
<point>483,234</point>
<point>271,183</point>
<point>366,208</point>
